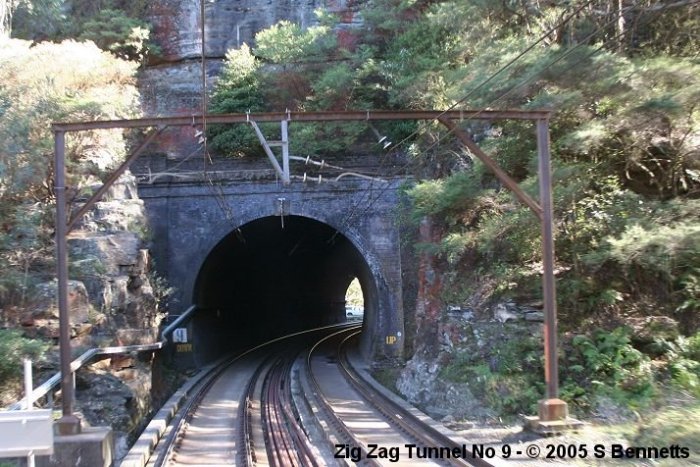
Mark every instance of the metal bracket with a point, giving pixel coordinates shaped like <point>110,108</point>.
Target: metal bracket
<point>282,171</point>
<point>282,209</point>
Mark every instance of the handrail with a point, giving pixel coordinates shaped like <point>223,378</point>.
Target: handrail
<point>171,327</point>
<point>50,383</point>
<point>88,355</point>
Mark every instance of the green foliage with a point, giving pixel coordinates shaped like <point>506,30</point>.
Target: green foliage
<point>664,250</point>
<point>621,144</point>
<point>511,384</point>
<point>14,348</point>
<point>624,136</point>
<point>43,83</point>
<point>447,196</point>
<point>117,26</point>
<point>671,425</point>
<point>607,364</point>
<point>237,91</point>
<point>681,359</point>
<point>286,42</point>
<point>602,364</point>
<point>37,19</point>
<point>113,30</point>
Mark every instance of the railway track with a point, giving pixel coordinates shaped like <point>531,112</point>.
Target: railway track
<point>246,411</point>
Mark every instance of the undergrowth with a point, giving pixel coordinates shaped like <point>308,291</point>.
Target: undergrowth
<point>604,366</point>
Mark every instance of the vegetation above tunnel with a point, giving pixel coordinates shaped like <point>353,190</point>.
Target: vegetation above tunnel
<point>623,81</point>
<point>625,134</point>
<point>624,85</point>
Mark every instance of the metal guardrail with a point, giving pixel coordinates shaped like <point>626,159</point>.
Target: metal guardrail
<point>52,382</point>
<point>48,385</point>
<point>179,320</point>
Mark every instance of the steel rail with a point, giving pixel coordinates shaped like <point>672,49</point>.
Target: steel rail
<point>299,438</point>
<point>247,455</point>
<point>399,416</point>
<point>189,408</point>
<point>187,411</point>
<point>280,446</point>
<point>342,431</point>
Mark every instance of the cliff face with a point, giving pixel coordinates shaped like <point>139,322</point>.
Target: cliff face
<point>171,85</point>
<point>229,23</point>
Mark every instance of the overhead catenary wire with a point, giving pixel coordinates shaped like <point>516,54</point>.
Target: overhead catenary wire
<point>568,52</point>
<point>395,147</point>
<point>217,190</point>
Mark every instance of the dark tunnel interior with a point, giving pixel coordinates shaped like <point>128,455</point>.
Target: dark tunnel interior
<point>266,279</point>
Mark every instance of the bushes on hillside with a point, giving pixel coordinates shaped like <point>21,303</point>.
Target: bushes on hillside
<point>41,84</point>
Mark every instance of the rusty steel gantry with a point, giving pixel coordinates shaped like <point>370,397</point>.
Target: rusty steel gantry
<point>552,409</point>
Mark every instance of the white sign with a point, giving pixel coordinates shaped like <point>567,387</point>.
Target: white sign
<point>180,336</point>
<point>25,432</point>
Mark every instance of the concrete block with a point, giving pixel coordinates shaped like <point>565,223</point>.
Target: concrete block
<point>93,447</point>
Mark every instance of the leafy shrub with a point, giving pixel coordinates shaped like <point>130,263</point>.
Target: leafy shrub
<point>122,35</point>
<point>43,83</point>
<point>607,364</point>
<point>285,42</point>
<point>682,358</point>
<point>237,91</point>
<point>14,348</point>
<point>117,26</point>
<point>511,381</point>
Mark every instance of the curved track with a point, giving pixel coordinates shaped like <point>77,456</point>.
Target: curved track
<point>370,428</point>
<point>244,412</point>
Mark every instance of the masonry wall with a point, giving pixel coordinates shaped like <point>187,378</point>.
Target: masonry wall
<point>188,218</point>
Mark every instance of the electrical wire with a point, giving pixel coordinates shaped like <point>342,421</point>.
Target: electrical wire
<point>394,148</point>
<point>217,190</point>
<point>502,96</point>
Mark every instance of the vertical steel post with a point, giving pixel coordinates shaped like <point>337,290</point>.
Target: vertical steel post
<point>552,408</point>
<point>28,384</point>
<point>69,423</point>
<point>28,402</point>
<point>285,151</point>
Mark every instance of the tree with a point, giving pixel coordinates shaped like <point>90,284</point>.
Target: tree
<point>40,84</point>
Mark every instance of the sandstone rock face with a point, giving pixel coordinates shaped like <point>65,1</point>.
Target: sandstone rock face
<point>108,255</point>
<point>119,397</point>
<point>229,23</point>
<point>421,384</point>
<point>41,317</point>
<point>172,84</point>
<point>110,295</point>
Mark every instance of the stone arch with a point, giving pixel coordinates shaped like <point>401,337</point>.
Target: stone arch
<point>335,258</point>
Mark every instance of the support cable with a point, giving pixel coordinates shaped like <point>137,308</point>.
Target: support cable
<point>206,157</point>
<point>394,149</point>
<point>404,166</point>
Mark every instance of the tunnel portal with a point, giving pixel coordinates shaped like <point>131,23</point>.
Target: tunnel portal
<point>273,276</point>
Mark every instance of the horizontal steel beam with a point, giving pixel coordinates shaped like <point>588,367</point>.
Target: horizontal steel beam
<point>340,116</point>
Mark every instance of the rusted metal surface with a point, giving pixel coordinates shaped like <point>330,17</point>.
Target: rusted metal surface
<point>548,284</point>
<point>111,179</point>
<point>430,305</point>
<point>69,423</point>
<point>511,184</point>
<point>339,116</point>
<point>544,213</point>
